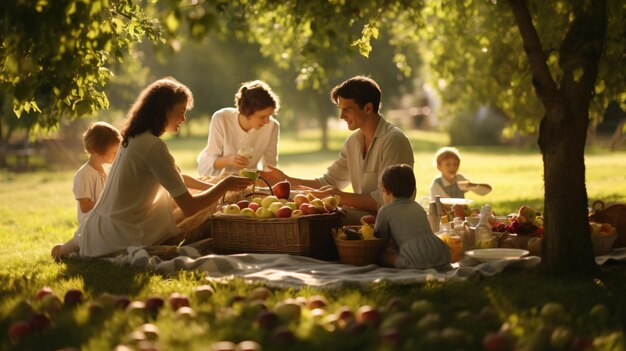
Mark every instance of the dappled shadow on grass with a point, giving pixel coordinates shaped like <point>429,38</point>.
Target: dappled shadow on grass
<point>100,276</point>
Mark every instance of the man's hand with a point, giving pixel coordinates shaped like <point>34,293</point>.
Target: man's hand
<point>273,175</point>
<point>235,183</point>
<point>326,190</point>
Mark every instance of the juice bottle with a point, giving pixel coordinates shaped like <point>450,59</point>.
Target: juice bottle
<point>484,236</point>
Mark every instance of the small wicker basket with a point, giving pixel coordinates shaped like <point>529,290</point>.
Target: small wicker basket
<point>603,245</point>
<point>358,252</point>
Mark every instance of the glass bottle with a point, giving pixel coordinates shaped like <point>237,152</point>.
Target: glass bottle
<point>484,236</point>
<point>458,228</point>
<point>433,217</point>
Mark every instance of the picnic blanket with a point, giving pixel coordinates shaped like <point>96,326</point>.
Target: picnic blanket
<point>281,270</point>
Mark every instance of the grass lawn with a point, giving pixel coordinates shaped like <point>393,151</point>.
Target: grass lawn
<point>537,313</point>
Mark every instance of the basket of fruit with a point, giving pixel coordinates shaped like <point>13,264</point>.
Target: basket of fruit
<point>301,225</point>
<point>357,245</point>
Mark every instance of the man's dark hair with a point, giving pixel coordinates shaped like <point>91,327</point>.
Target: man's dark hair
<point>361,89</point>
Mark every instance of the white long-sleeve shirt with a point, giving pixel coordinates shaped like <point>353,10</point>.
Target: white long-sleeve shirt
<point>226,137</point>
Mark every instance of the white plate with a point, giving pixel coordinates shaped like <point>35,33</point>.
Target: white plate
<point>455,200</point>
<point>485,255</point>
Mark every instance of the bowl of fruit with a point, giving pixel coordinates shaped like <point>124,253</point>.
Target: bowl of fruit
<point>603,236</point>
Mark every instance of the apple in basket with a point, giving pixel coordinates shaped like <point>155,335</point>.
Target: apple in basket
<point>307,208</point>
<point>299,199</point>
<point>268,200</point>
<point>254,206</point>
<point>263,212</point>
<point>232,209</point>
<point>284,212</point>
<point>243,204</point>
<point>282,189</point>
<point>274,206</point>
<point>331,202</point>
<point>248,212</point>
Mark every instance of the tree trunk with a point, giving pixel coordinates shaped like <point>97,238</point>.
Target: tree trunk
<point>563,131</point>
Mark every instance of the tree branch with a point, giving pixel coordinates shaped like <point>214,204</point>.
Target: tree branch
<point>542,78</point>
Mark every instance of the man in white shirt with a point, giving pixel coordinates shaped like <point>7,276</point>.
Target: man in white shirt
<point>375,145</point>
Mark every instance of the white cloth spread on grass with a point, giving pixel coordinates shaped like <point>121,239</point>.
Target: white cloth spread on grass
<point>280,270</point>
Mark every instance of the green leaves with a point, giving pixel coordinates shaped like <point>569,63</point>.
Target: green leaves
<point>56,53</point>
<point>369,31</point>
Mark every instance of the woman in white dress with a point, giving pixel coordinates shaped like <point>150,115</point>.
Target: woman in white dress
<point>135,206</point>
<point>243,137</point>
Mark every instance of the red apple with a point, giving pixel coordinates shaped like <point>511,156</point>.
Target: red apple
<point>281,335</point>
<point>316,301</point>
<point>307,208</point>
<point>282,189</point>
<point>498,342</point>
<point>284,212</point>
<point>121,302</point>
<point>19,330</point>
<point>95,309</point>
<point>243,204</point>
<point>38,321</point>
<point>267,319</point>
<point>73,297</point>
<point>253,206</point>
<point>177,301</point>
<point>154,304</point>
<point>368,315</point>
<point>43,292</point>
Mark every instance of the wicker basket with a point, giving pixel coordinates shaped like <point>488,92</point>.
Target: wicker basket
<point>309,235</point>
<point>602,245</point>
<point>358,252</point>
<point>615,215</point>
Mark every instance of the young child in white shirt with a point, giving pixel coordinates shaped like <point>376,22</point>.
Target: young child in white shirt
<point>101,141</point>
<point>403,224</point>
<point>451,183</point>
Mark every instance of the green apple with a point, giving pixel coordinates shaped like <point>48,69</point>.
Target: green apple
<point>299,199</point>
<point>331,202</point>
<point>263,212</point>
<point>231,209</point>
<point>291,205</point>
<point>257,200</point>
<point>268,200</point>
<point>274,206</point>
<point>248,212</point>
<point>317,203</point>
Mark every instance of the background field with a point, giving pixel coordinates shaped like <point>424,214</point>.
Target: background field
<point>37,210</point>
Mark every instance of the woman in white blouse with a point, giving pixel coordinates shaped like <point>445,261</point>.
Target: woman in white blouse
<point>243,137</point>
<point>135,206</point>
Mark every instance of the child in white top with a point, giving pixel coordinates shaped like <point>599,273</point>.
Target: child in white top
<point>243,137</point>
<point>450,183</point>
<point>101,141</point>
<point>403,224</point>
